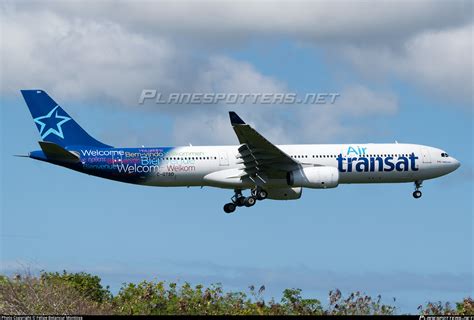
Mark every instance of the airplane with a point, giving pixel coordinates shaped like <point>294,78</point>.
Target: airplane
<point>269,171</point>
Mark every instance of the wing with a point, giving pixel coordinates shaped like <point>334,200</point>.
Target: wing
<point>262,160</point>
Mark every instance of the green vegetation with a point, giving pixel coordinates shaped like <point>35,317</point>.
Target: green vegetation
<point>82,293</point>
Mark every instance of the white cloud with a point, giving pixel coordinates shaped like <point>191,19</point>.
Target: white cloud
<point>223,74</point>
<point>358,100</point>
<point>111,50</point>
<point>327,122</point>
<point>334,21</point>
<point>77,58</point>
<point>441,62</point>
<point>88,59</point>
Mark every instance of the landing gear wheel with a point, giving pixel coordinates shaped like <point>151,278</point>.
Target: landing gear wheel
<point>250,201</point>
<point>262,194</point>
<point>229,207</point>
<point>417,194</point>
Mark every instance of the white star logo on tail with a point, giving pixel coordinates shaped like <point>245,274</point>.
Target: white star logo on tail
<point>58,131</point>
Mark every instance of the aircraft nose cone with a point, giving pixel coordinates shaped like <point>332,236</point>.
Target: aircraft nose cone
<point>456,164</point>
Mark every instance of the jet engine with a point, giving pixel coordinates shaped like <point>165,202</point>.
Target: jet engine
<point>314,177</point>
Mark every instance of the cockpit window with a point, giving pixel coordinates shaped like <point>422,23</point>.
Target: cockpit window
<point>444,155</point>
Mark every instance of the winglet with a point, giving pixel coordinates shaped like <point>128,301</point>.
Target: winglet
<point>235,119</point>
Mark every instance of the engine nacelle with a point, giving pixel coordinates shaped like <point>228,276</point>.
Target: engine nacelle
<point>314,177</point>
<point>287,193</point>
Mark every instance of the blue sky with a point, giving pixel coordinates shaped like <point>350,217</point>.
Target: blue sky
<point>409,87</point>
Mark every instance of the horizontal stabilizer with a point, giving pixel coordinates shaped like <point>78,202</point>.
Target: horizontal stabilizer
<point>55,152</point>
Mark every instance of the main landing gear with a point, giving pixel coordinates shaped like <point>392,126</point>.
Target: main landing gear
<point>417,193</point>
<point>238,200</point>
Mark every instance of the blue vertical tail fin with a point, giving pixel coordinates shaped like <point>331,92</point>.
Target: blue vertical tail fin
<point>54,124</point>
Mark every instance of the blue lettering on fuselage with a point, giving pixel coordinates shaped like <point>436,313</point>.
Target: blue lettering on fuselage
<point>357,150</point>
<point>372,164</point>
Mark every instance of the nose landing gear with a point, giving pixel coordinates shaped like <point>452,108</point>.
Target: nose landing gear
<point>238,200</point>
<point>417,193</point>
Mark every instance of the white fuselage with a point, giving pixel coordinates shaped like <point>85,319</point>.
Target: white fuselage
<point>219,166</point>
